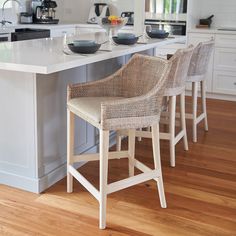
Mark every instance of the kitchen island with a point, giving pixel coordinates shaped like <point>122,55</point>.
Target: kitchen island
<point>33,79</point>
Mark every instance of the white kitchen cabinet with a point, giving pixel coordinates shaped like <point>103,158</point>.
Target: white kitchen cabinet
<point>194,39</point>
<point>224,82</point>
<point>225,59</point>
<point>225,41</point>
<point>221,75</point>
<point>225,64</point>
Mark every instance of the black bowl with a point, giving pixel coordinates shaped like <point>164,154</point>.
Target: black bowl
<point>84,49</point>
<point>158,34</point>
<point>125,41</point>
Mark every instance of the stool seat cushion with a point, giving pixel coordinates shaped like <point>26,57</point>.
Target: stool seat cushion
<point>89,108</point>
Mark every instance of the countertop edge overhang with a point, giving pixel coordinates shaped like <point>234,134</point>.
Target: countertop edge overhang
<point>76,61</point>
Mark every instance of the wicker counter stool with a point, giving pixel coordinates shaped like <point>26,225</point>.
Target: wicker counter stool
<point>196,74</point>
<point>175,86</point>
<point>129,99</point>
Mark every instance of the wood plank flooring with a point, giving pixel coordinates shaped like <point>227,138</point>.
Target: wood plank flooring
<point>200,192</point>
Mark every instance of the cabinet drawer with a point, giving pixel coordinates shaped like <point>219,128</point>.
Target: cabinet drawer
<point>224,82</point>
<point>225,41</point>
<point>225,59</point>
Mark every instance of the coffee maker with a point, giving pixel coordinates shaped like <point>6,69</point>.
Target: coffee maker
<point>44,12</point>
<point>98,10</point>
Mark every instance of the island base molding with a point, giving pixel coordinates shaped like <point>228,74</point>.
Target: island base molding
<point>38,185</point>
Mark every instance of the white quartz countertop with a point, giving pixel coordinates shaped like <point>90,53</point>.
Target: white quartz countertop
<point>45,56</point>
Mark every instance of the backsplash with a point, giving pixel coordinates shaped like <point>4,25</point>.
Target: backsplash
<point>78,10</point>
<point>119,6</point>
<point>224,12</point>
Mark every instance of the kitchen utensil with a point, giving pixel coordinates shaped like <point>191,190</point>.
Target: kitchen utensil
<point>126,35</point>
<point>110,26</point>
<point>44,12</point>
<point>159,34</point>
<point>84,49</point>
<point>125,41</point>
<point>130,16</point>
<point>98,10</point>
<point>83,43</point>
<point>26,18</point>
<point>206,21</point>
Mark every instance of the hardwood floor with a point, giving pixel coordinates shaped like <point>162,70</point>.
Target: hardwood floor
<point>200,192</point>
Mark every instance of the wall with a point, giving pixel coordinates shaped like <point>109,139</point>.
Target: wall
<point>118,6</point>
<point>73,11</point>
<point>224,11</point>
<point>77,11</point>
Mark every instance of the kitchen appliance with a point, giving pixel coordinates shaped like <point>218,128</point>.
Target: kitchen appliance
<point>5,37</point>
<point>28,33</point>
<point>44,12</point>
<point>173,27</point>
<point>130,16</point>
<point>206,21</point>
<point>98,10</point>
<point>168,15</point>
<point>26,18</point>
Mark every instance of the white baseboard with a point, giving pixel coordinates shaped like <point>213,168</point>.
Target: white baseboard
<point>43,183</point>
<point>21,182</point>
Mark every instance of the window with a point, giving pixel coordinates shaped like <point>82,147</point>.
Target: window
<point>166,6</point>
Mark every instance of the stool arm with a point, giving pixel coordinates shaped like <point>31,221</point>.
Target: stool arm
<point>136,111</point>
<point>109,86</point>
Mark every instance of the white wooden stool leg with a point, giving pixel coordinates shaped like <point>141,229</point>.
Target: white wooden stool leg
<point>70,148</point>
<point>131,151</point>
<point>118,141</point>
<point>183,120</point>
<point>194,97</point>
<point>204,109</point>
<point>157,163</point>
<point>172,104</point>
<point>104,148</point>
<point>140,138</point>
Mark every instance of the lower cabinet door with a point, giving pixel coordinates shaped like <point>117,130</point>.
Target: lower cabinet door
<point>224,82</point>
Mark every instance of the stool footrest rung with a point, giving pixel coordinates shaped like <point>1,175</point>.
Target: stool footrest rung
<point>200,118</point>
<point>95,156</point>
<point>179,136</point>
<point>125,183</point>
<point>139,165</point>
<point>84,182</point>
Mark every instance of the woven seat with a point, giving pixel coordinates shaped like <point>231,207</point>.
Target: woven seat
<point>89,108</point>
<point>175,87</point>
<point>197,74</point>
<point>129,99</point>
